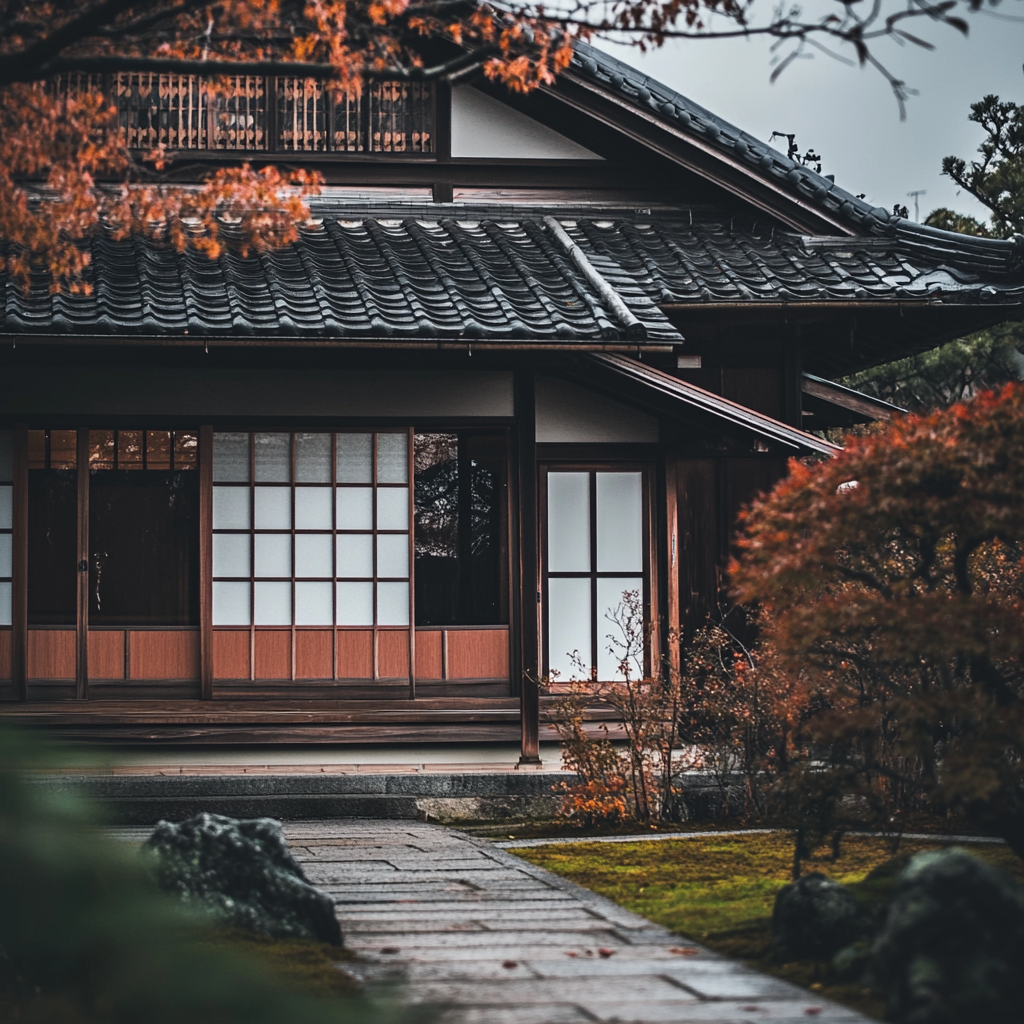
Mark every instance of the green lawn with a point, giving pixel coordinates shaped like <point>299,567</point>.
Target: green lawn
<point>720,890</point>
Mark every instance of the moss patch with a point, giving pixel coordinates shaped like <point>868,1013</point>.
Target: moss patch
<point>301,964</point>
<point>720,890</point>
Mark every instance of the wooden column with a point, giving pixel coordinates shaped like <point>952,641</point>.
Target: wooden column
<point>673,614</point>
<point>792,373</point>
<point>82,647</point>
<point>529,576</point>
<point>411,475</point>
<point>19,570</point>
<point>206,562</point>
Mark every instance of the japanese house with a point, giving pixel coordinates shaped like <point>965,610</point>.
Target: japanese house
<point>532,354</point>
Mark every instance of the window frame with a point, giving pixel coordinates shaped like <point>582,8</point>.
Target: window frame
<point>333,486</point>
<point>649,560</point>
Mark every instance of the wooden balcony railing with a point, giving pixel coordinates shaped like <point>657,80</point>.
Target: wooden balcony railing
<point>246,113</point>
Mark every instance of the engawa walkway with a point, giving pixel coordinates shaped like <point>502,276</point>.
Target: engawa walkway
<point>498,941</point>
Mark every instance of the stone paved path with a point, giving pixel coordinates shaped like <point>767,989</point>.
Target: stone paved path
<point>495,940</point>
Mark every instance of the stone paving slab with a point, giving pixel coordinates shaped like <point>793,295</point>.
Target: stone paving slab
<point>491,939</point>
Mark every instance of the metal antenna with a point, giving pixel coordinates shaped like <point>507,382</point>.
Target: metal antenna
<point>914,195</point>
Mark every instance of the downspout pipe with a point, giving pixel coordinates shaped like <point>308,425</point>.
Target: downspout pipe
<point>609,297</point>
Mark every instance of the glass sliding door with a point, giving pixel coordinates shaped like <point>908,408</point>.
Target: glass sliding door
<point>596,573</point>
<point>311,535</point>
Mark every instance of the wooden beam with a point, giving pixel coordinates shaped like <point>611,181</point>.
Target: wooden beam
<point>82,618</point>
<point>673,616</point>
<point>206,561</point>
<point>19,570</point>
<point>529,577</point>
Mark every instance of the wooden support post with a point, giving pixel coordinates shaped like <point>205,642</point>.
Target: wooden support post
<point>673,612</point>
<point>19,570</point>
<point>793,388</point>
<point>82,647</point>
<point>529,576</point>
<point>206,562</point>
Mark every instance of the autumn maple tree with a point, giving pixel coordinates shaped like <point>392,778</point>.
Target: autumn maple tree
<point>65,167</point>
<point>890,584</point>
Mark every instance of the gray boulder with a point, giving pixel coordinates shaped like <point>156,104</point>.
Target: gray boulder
<point>814,918</point>
<point>244,873</point>
<point>951,950</point>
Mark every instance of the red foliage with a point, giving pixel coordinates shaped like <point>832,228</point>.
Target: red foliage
<point>890,583</point>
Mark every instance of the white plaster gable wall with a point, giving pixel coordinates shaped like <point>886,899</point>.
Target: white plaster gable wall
<point>569,414</point>
<point>485,127</point>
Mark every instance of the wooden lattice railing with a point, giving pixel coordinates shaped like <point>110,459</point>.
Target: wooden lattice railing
<point>250,113</point>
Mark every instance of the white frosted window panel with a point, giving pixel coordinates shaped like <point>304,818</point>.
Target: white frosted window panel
<point>273,458</point>
<point>272,604</point>
<point>6,506</point>
<point>312,508</point>
<point>230,604</point>
<point>6,454</point>
<point>313,604</point>
<point>231,554</point>
<point>355,604</point>
<point>569,628</point>
<point>620,534</point>
<point>313,554</point>
<point>355,508</point>
<point>392,604</point>
<point>568,522</point>
<point>392,458</point>
<point>6,596</point>
<point>393,555</point>
<point>393,508</point>
<point>231,458</point>
<point>355,458</point>
<point>355,555</point>
<point>611,640</point>
<point>273,508</point>
<point>5,555</point>
<point>231,508</point>
<point>273,552</point>
<point>313,458</point>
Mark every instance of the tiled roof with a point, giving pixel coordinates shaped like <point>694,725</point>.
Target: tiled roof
<point>681,113</point>
<point>464,272</point>
<point>353,277</point>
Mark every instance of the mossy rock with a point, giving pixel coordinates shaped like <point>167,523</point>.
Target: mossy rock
<point>952,945</point>
<point>244,874</point>
<point>814,918</point>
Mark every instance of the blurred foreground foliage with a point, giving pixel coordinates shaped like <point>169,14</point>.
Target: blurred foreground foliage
<point>86,938</point>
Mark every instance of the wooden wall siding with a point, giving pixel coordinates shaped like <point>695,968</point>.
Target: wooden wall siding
<point>477,653</point>
<point>230,654</point>
<point>106,654</point>
<point>392,654</point>
<point>429,664</point>
<point>51,653</point>
<point>273,654</point>
<point>163,654</point>
<point>355,653</point>
<point>314,654</point>
<point>6,648</point>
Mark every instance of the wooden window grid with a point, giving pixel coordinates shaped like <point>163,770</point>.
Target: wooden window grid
<point>593,574</point>
<point>334,485</point>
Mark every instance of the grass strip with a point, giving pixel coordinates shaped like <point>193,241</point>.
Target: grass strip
<point>720,890</point>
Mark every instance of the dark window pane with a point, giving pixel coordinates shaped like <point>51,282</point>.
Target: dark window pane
<point>52,546</point>
<point>144,548</point>
<point>461,529</point>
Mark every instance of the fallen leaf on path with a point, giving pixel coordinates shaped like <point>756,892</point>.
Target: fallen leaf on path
<point>607,952</point>
<point>812,1011</point>
<point>510,964</point>
<point>390,949</point>
<point>685,950</point>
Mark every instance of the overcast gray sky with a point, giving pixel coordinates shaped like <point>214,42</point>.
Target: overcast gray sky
<point>849,114</point>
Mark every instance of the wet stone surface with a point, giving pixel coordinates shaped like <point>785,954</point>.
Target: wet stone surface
<point>494,940</point>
